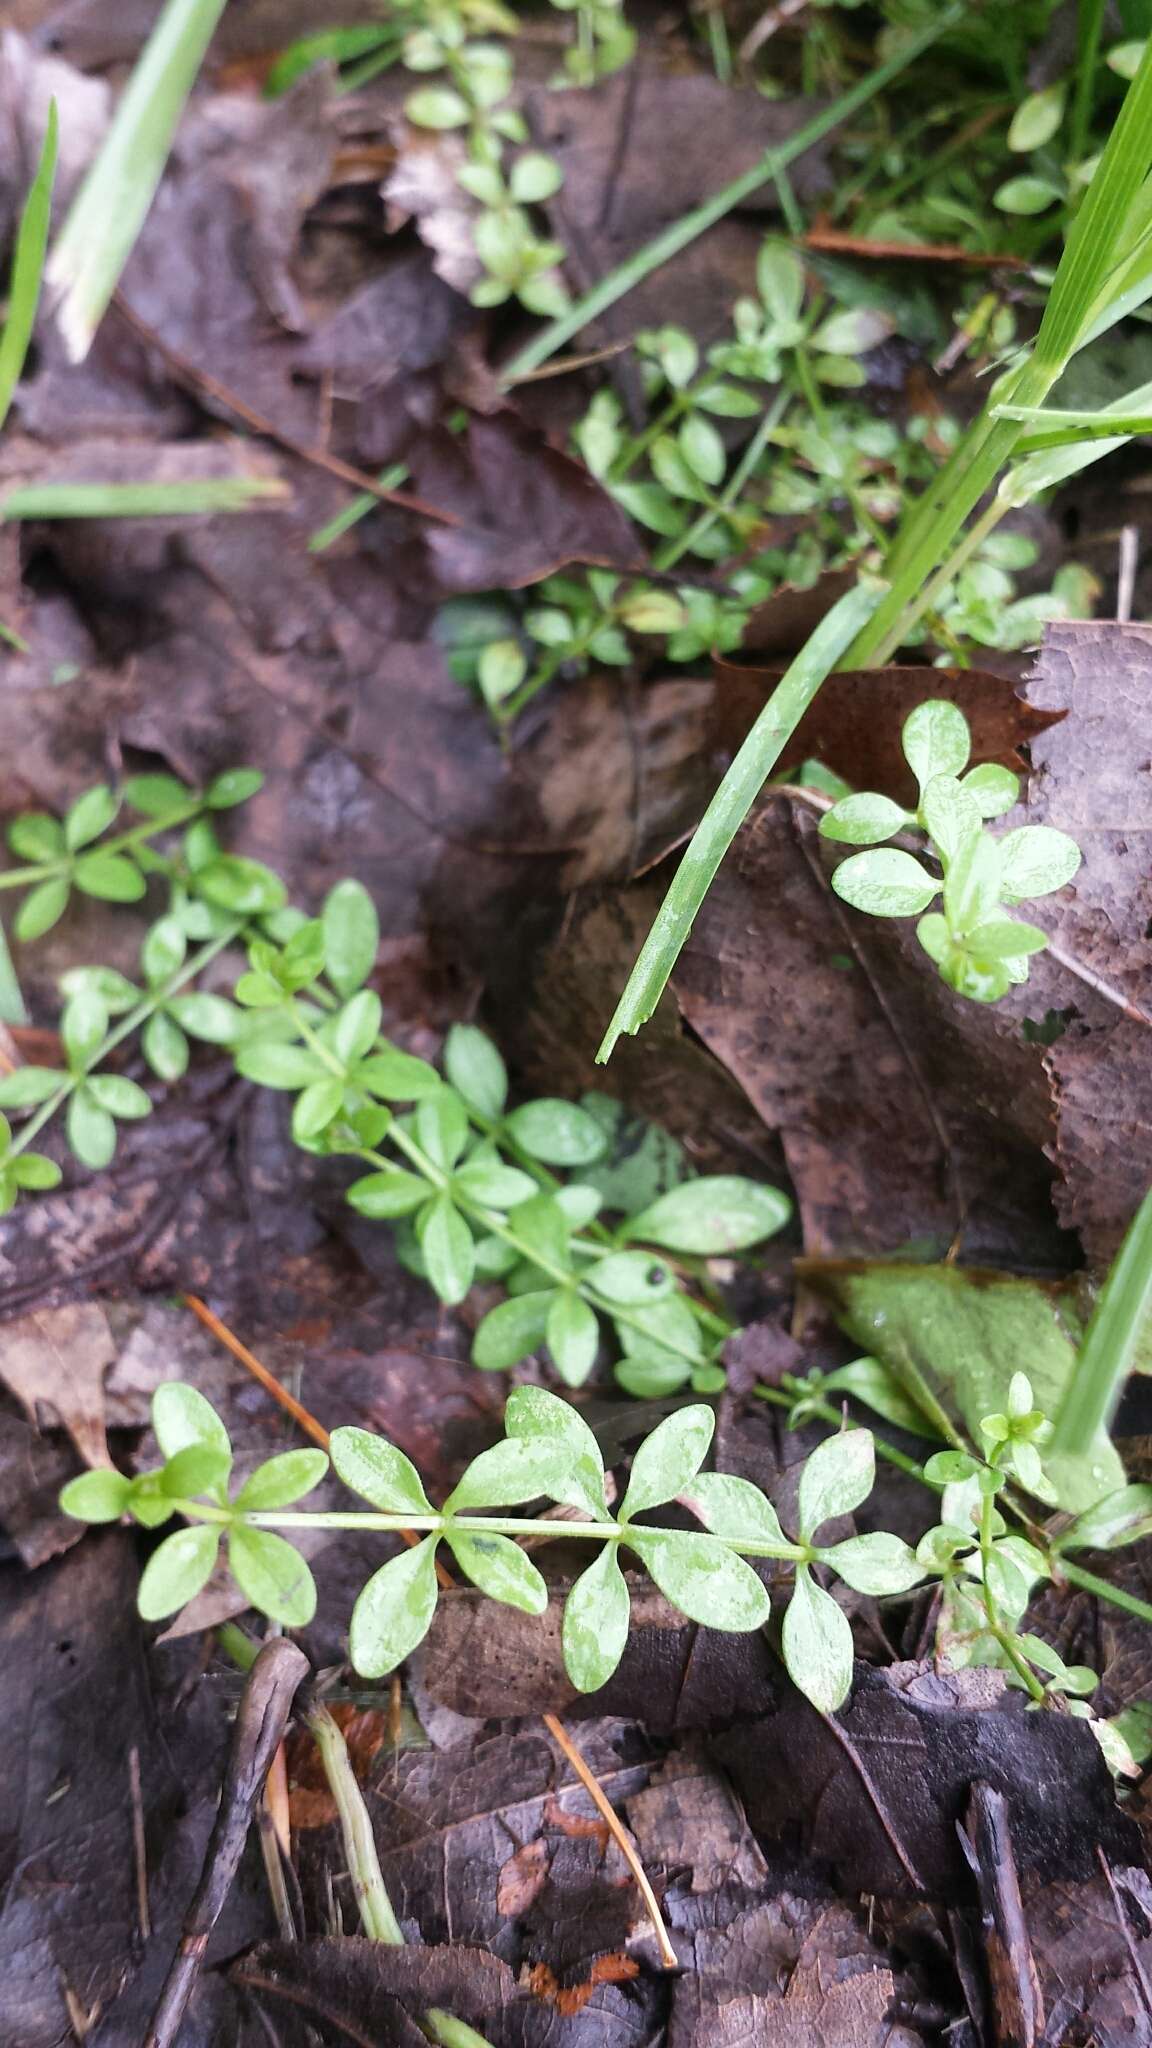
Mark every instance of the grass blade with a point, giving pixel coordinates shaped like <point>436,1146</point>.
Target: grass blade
<point>112,204</point>
<point>28,268</point>
<point>1106,1354</point>
<point>139,501</point>
<point>729,808</point>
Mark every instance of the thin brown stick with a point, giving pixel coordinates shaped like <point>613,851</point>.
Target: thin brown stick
<point>139,1845</point>
<point>603,1804</point>
<point>200,381</point>
<point>273,1386</point>
<point>265,1705</point>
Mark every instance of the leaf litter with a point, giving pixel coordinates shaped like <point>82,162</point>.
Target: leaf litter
<point>809,1868</point>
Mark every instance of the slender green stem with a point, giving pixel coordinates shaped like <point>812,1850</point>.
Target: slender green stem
<point>465,1525</point>
<point>1103,1589</point>
<point>729,808</point>
<point>43,871</point>
<point>139,1014</point>
<point>692,225</point>
<point>996,1629</point>
<point>371,1893</point>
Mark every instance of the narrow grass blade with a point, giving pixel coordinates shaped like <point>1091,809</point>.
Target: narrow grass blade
<point>691,225</point>
<point>139,501</point>
<point>1105,1357</point>
<point>27,268</point>
<point>730,806</point>
<point>112,204</point>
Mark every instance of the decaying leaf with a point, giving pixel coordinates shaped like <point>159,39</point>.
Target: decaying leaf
<point>54,1360</point>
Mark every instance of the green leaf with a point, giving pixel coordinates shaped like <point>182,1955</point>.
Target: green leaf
<point>233,786</point>
<point>397,1076</point>
<point>272,1575</point>
<point>995,789</point>
<point>702,449</point>
<point>109,876</point>
<point>668,1459</point>
<point>119,1096</point>
<point>596,1617</point>
<point>353,1031</point>
<point>533,1414</point>
<point>351,936</point>
<point>852,331</point>
<point>436,106</point>
<point>972,885</point>
<point>1037,119</point>
<point>837,1476</point>
<point>316,1107</point>
<point>279,1066</point>
<point>245,887</point>
<point>165,1047</point>
<point>1005,938</point>
<point>198,1468</point>
<point>43,907</point>
<point>36,836</point>
<point>91,1131</point>
<point>490,1181</point>
<point>163,951</point>
<point>181,1416</point>
<point>83,1025</point>
<point>951,814</point>
<point>372,1467</point>
<point>935,740</point>
<point>156,796</point>
<point>667,1329</point>
<point>558,1133</point>
<point>817,1644</point>
<point>542,1227</point>
<point>876,1564</point>
<point>703,1578</point>
<point>500,1569</point>
<point>209,1017</point>
<point>780,280</point>
<point>442,1128</point>
<point>393,1612</point>
<point>885,883</point>
<point>1035,860</point>
<point>26,1086</point>
<point>476,1070</point>
<point>1026,195</point>
<point>630,1278</point>
<point>282,1480</point>
<point>864,819</point>
<point>33,1171</point>
<point>718,1213</point>
<point>870,1381</point>
<point>511,1330</point>
<point>448,1248</point>
<point>388,1194</point>
<point>729,1506</point>
<point>511,1472</point>
<point>652,1375</point>
<point>90,815</point>
<point>115,991</point>
<point>96,1496</point>
<point>572,1334</point>
<point>177,1571</point>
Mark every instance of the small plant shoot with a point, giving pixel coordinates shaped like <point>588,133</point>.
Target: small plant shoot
<point>978,947</point>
